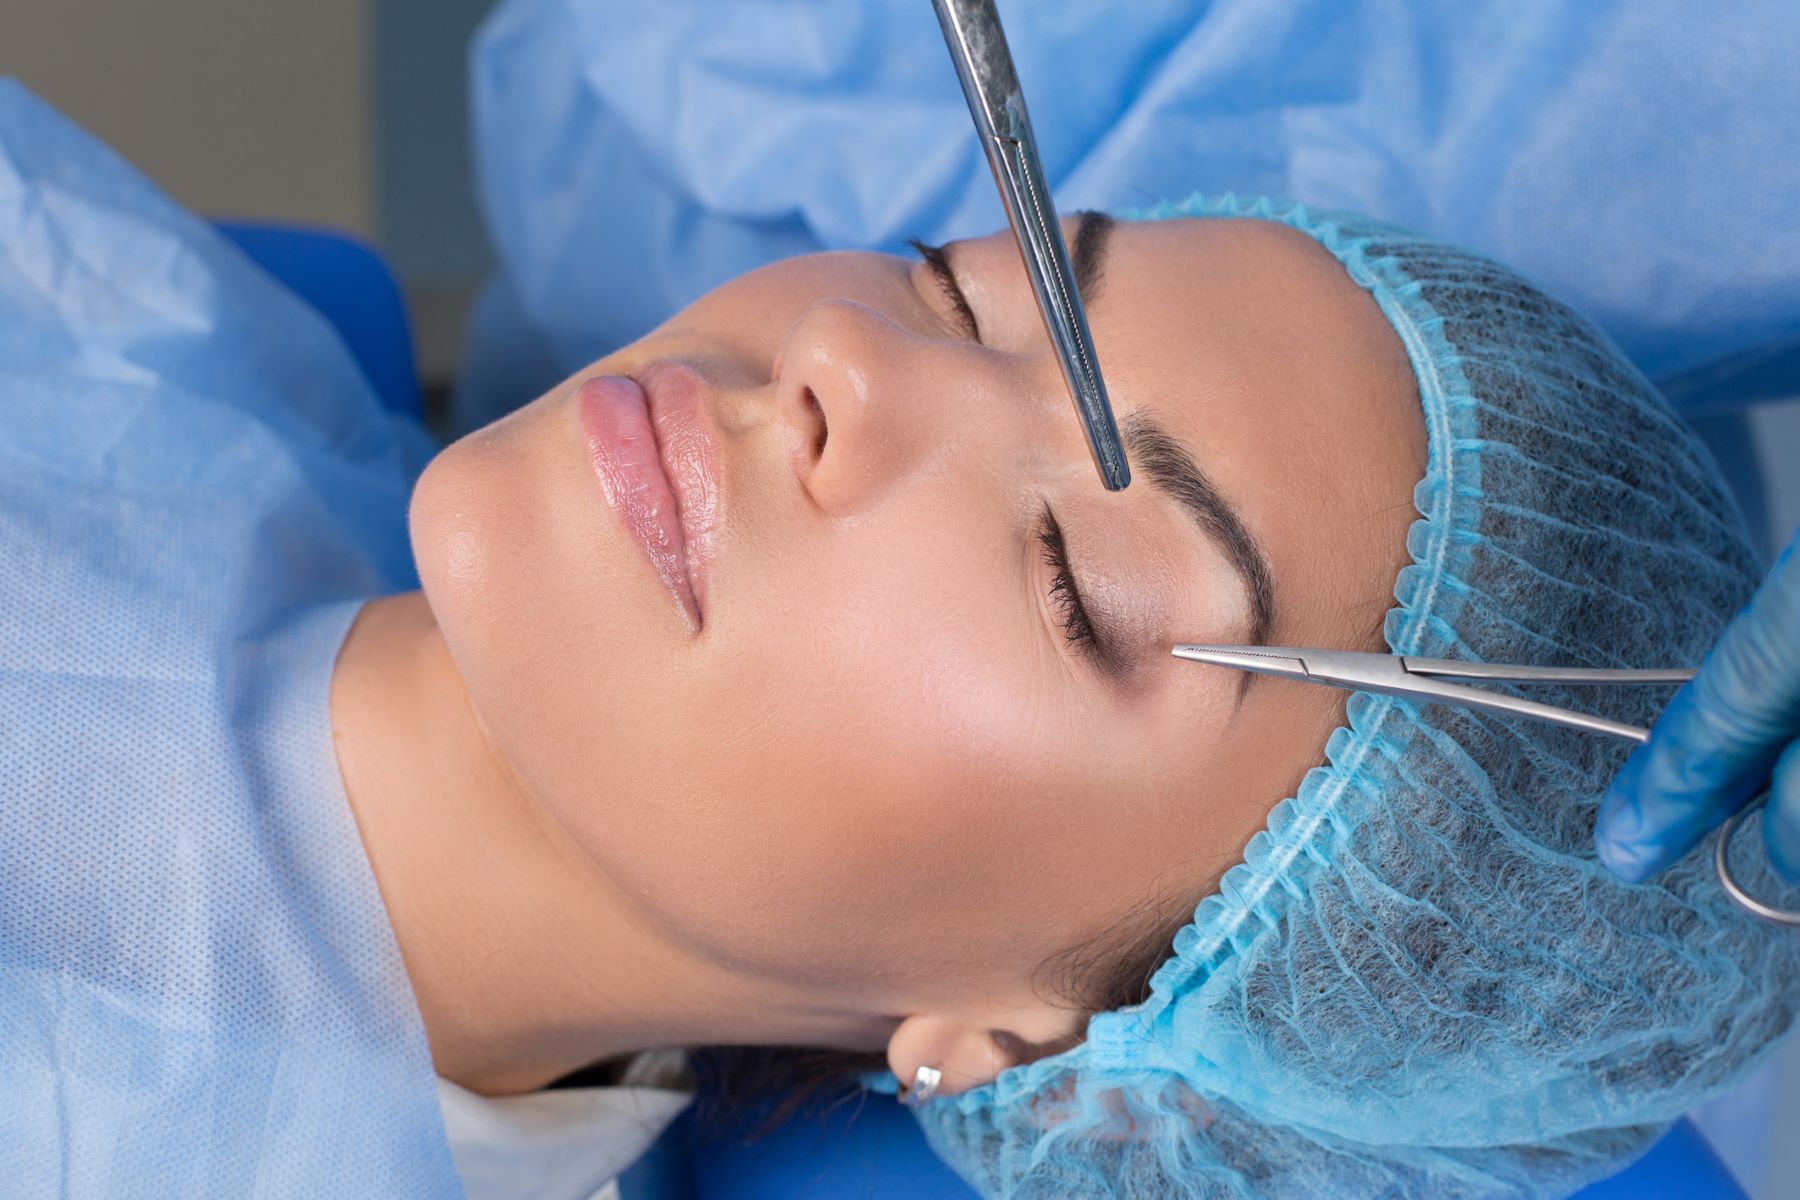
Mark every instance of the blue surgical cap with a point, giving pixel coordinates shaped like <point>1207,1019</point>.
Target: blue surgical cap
<point>1420,981</point>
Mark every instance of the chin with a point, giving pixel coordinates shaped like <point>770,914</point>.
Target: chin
<point>465,518</point>
<point>548,617</point>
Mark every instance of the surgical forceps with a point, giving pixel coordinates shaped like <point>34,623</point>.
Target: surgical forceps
<point>1427,680</point>
<point>991,86</point>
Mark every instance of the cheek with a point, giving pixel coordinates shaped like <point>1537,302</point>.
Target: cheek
<point>874,743</point>
<point>469,522</point>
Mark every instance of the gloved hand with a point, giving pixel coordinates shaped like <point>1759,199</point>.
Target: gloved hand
<point>1715,746</point>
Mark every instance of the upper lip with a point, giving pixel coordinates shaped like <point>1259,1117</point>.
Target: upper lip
<point>676,397</point>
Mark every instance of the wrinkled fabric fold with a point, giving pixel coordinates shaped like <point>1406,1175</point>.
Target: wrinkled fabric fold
<point>1632,157</point>
<point>200,993</point>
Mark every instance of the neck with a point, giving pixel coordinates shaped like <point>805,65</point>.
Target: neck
<point>527,964</point>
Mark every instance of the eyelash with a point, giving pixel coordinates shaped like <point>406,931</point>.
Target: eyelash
<point>1063,593</point>
<point>939,262</point>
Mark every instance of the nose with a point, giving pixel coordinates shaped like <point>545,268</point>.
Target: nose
<point>866,401</point>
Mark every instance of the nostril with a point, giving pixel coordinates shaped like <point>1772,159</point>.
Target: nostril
<point>819,411</point>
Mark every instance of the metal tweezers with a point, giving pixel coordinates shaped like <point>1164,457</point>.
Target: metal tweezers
<point>991,86</point>
<point>1428,680</point>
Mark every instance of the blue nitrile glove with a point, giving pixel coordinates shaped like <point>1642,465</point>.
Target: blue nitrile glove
<point>1717,743</point>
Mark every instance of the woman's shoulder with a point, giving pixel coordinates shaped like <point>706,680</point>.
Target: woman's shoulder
<point>666,1067</point>
<point>571,1139</point>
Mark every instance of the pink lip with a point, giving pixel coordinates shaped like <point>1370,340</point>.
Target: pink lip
<point>654,457</point>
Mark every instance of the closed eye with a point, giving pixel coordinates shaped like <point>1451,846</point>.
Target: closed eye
<point>939,262</point>
<point>1065,594</point>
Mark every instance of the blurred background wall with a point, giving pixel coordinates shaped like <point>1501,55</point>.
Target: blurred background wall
<point>349,113</point>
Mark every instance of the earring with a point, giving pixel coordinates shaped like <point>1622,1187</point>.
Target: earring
<point>923,1087</point>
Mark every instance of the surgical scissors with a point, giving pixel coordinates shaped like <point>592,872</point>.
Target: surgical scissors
<point>1428,680</point>
<point>984,66</point>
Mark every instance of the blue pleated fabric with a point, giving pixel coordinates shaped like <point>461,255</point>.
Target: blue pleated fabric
<point>1634,156</point>
<point>1420,982</point>
<point>200,993</point>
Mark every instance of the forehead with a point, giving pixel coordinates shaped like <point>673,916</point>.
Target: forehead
<point>1253,342</point>
<point>1256,349</point>
<point>1238,296</point>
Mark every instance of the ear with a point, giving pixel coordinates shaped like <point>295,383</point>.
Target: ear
<point>970,1055</point>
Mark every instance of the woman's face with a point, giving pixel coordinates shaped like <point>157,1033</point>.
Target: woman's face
<point>890,758</point>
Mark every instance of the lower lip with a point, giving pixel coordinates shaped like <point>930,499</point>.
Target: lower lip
<point>622,445</point>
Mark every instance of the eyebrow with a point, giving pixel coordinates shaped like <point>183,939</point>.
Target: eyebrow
<point>1088,250</point>
<point>1173,471</point>
<point>1091,230</point>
